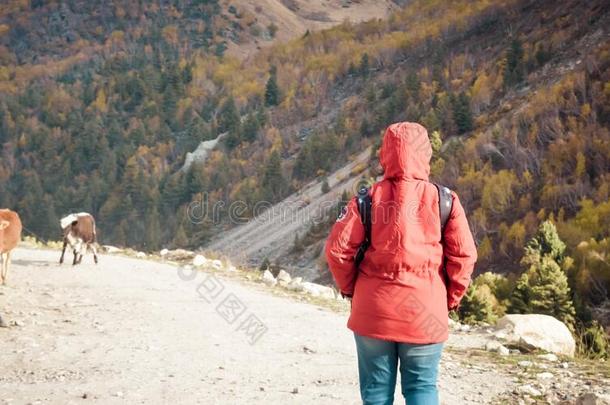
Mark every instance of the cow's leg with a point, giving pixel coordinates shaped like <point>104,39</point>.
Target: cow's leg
<point>2,268</point>
<point>63,251</point>
<point>83,251</point>
<point>94,249</point>
<point>74,261</point>
<point>7,263</point>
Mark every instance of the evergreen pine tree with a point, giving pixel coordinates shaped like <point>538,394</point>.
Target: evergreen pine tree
<point>265,264</point>
<point>250,128</point>
<point>272,91</point>
<point>304,167</point>
<point>364,67</point>
<point>228,116</point>
<point>514,70</point>
<point>180,239</point>
<point>230,121</point>
<point>366,129</point>
<point>274,183</point>
<point>543,288</point>
<point>413,85</point>
<point>461,113</point>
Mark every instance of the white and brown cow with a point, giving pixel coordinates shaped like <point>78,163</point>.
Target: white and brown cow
<point>10,235</point>
<point>80,234</point>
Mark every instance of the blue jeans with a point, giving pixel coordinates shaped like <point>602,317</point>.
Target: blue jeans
<point>377,367</point>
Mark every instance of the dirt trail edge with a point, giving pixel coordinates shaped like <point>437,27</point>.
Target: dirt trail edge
<point>135,331</point>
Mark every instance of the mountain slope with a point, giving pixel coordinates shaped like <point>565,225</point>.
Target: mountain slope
<point>271,235</point>
<point>293,18</point>
<point>514,92</point>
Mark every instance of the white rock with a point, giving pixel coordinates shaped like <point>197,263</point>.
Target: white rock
<point>284,278</point>
<point>199,260</point>
<point>564,365</point>
<point>525,363</point>
<point>231,268</point>
<point>464,328</point>
<point>500,335</point>
<point>164,252</point>
<point>216,264</point>
<point>296,284</point>
<point>140,255</point>
<point>111,249</point>
<point>544,376</point>
<point>548,357</point>
<point>503,351</point>
<point>538,331</point>
<point>492,346</point>
<point>529,390</point>
<point>268,278</point>
<point>318,290</point>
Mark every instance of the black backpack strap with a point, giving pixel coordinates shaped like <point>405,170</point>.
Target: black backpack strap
<point>364,207</point>
<point>445,204</point>
<point>363,199</point>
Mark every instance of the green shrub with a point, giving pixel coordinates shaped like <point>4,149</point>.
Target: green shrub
<point>478,305</point>
<point>592,342</point>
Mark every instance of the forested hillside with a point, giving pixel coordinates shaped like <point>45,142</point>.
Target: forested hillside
<point>99,106</point>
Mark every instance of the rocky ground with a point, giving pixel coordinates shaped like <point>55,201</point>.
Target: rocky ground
<point>131,331</point>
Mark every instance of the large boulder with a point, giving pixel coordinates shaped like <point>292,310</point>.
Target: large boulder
<point>539,332</point>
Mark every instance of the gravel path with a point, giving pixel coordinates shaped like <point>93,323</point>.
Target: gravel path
<point>135,331</point>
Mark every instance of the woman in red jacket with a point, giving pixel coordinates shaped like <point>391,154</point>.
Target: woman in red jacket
<point>400,299</point>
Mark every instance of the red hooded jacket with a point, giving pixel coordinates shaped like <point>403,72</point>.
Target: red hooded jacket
<point>399,292</point>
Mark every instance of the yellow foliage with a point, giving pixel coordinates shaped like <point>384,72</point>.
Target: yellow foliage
<point>100,100</point>
<point>498,192</point>
<point>481,92</point>
<point>485,249</point>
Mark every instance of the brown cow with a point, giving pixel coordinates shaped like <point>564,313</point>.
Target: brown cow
<point>10,235</point>
<point>80,234</point>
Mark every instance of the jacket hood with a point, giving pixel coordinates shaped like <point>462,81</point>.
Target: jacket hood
<point>406,152</point>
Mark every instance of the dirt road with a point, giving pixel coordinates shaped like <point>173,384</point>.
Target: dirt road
<point>135,331</point>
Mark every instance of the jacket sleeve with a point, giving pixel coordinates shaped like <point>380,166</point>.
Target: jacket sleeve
<point>460,254</point>
<point>343,242</point>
